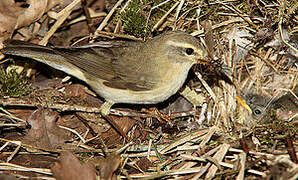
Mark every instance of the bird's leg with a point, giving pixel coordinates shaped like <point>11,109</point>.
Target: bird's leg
<point>105,108</point>
<point>105,111</point>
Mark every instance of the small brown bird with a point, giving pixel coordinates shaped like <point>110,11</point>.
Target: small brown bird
<point>261,106</point>
<point>133,72</point>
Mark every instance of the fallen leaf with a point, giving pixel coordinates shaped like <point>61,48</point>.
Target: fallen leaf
<point>108,165</point>
<point>44,131</point>
<point>13,17</point>
<point>76,90</point>
<point>69,167</point>
<point>112,137</point>
<point>35,10</point>
<point>144,164</point>
<point>8,16</point>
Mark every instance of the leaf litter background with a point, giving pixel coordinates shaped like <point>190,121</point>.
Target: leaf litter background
<point>51,128</point>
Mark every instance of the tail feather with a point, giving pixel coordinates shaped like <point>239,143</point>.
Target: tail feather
<point>42,54</point>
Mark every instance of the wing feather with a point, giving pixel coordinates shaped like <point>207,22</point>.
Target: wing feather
<point>111,63</point>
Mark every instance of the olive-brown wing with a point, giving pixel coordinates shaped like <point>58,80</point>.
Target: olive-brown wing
<point>120,67</point>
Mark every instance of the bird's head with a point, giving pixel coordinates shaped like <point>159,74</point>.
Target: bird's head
<point>181,47</point>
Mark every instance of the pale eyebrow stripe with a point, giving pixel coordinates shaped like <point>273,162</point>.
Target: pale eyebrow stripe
<point>180,44</point>
<point>186,45</point>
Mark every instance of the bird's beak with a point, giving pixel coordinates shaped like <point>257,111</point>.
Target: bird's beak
<point>243,104</point>
<point>203,61</point>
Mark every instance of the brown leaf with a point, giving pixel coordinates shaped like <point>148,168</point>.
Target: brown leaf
<point>43,83</point>
<point>8,16</point>
<point>13,17</point>
<point>144,164</point>
<point>108,165</point>
<point>178,105</point>
<point>36,9</point>
<point>44,131</point>
<point>7,177</point>
<point>76,90</point>
<point>112,137</point>
<point>69,167</point>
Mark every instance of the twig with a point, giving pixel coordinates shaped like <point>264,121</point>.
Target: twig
<point>282,36</point>
<point>11,116</point>
<point>239,13</point>
<point>88,16</point>
<point>73,131</point>
<point>124,36</point>
<point>207,87</point>
<point>225,23</point>
<point>87,109</point>
<point>64,14</point>
<point>240,175</point>
<point>105,21</point>
<point>184,139</point>
<point>14,167</point>
<point>165,16</point>
<point>178,10</point>
<point>82,18</point>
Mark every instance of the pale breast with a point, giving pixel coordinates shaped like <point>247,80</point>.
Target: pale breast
<point>170,83</point>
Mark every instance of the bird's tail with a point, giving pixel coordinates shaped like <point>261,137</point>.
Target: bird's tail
<point>44,54</point>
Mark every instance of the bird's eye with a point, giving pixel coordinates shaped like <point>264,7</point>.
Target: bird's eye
<point>257,112</point>
<point>189,51</point>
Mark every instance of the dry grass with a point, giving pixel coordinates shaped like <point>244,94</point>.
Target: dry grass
<point>219,139</point>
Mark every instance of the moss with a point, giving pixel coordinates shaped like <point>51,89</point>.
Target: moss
<point>134,22</point>
<point>13,84</point>
<point>135,17</point>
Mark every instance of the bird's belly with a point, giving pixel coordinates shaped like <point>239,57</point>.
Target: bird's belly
<point>170,84</point>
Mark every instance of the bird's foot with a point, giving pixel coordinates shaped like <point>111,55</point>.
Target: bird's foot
<point>105,108</point>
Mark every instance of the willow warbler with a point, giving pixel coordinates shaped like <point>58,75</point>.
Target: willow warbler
<point>131,72</point>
